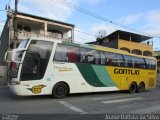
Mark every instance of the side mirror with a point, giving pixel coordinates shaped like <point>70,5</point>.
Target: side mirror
<point>14,56</point>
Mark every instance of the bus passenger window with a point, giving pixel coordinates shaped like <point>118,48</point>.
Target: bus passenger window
<point>66,53</point>
<point>87,55</point>
<point>128,61</point>
<point>108,61</point>
<point>151,64</point>
<point>72,57</point>
<point>120,60</point>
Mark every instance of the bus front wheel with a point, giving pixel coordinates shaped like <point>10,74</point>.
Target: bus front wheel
<point>141,87</point>
<point>133,87</point>
<point>60,90</point>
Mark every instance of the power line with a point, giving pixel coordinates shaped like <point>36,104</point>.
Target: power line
<point>86,12</point>
<point>83,39</point>
<point>85,33</point>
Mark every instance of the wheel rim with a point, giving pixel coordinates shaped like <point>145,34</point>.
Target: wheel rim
<point>132,88</point>
<point>60,90</point>
<point>142,87</point>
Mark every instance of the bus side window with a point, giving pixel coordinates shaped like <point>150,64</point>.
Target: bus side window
<point>103,59</point>
<point>97,56</point>
<point>87,55</point>
<point>151,64</point>
<point>120,60</point>
<point>109,61</point>
<point>72,57</point>
<point>89,59</point>
<point>66,53</point>
<point>128,62</point>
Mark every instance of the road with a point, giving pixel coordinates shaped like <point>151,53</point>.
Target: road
<point>82,104</point>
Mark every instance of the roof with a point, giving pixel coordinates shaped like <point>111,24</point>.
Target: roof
<point>126,36</point>
<point>47,19</point>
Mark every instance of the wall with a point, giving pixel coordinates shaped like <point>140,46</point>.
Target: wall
<point>134,45</point>
<point>111,44</point>
<point>4,43</point>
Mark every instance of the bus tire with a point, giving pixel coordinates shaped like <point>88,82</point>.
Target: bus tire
<point>60,90</point>
<point>141,87</point>
<point>133,87</point>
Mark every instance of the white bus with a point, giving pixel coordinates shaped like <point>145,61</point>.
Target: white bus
<point>42,66</point>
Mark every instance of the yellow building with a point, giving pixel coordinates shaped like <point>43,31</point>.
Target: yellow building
<point>131,42</point>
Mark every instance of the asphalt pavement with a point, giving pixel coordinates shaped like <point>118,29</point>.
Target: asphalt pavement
<point>80,106</point>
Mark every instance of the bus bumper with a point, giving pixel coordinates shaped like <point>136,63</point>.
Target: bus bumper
<point>15,89</point>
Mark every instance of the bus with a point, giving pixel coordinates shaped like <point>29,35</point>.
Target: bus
<point>41,66</point>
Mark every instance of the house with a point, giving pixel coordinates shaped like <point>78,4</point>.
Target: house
<point>33,26</point>
<point>127,41</point>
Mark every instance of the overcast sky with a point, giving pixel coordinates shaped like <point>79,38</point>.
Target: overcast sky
<point>141,15</point>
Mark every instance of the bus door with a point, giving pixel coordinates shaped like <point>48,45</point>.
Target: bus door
<point>34,66</point>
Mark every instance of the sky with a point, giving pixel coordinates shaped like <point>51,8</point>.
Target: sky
<point>142,16</point>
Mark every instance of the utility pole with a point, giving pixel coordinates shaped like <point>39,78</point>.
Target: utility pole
<point>15,26</point>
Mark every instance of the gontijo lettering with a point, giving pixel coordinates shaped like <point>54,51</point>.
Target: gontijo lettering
<point>126,71</point>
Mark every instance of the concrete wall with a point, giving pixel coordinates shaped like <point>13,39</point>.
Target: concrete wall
<point>4,39</point>
<point>112,44</point>
<point>3,75</point>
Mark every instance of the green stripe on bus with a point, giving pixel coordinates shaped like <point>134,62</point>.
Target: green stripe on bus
<point>103,75</point>
<point>90,75</point>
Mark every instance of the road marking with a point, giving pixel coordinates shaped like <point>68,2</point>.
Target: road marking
<point>121,100</point>
<point>130,105</point>
<point>68,105</point>
<point>110,97</point>
<point>135,104</point>
<point>147,110</point>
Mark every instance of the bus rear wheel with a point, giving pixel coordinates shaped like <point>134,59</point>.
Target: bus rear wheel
<point>60,90</point>
<point>141,87</point>
<point>133,87</point>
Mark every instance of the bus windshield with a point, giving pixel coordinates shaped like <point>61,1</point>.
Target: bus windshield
<point>23,44</point>
<point>18,56</point>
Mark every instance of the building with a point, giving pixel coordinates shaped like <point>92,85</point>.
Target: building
<point>130,42</point>
<point>30,26</point>
<point>33,26</point>
<point>157,55</point>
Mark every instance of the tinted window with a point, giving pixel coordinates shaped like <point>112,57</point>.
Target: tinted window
<point>151,64</point>
<point>66,53</point>
<point>112,59</point>
<point>128,61</point>
<point>120,60</point>
<point>138,62</point>
<point>88,55</point>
